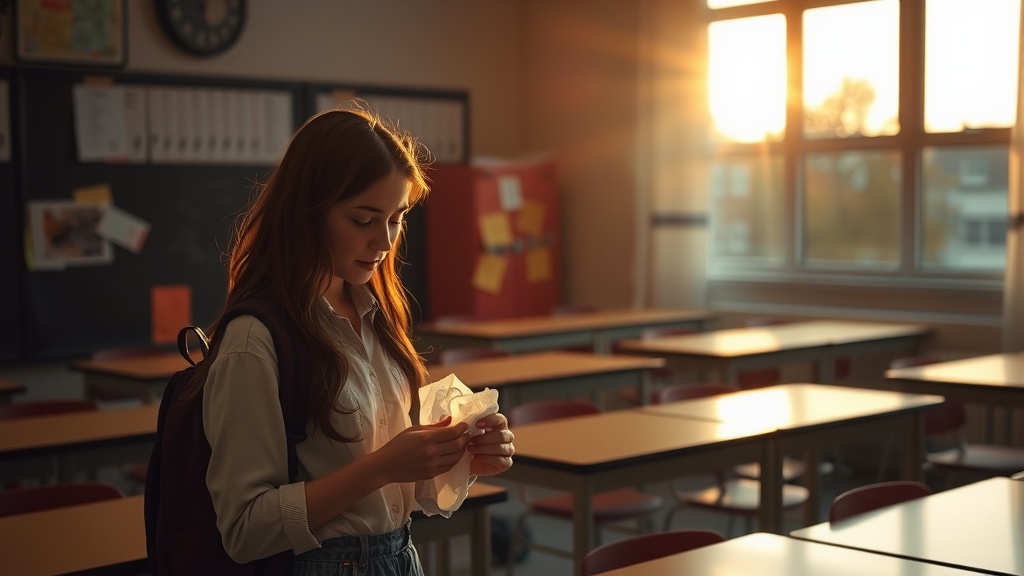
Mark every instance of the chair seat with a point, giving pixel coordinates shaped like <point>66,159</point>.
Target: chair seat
<point>625,503</point>
<point>792,469</point>
<point>981,458</point>
<point>741,495</point>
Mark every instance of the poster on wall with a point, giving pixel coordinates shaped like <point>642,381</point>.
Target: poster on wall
<point>64,233</point>
<point>88,33</point>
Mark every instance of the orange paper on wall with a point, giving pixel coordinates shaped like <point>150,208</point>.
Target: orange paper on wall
<point>171,310</point>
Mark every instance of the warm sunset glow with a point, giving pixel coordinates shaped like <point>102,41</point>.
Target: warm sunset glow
<point>971,83</point>
<point>835,49</point>
<point>972,52</point>
<point>747,77</point>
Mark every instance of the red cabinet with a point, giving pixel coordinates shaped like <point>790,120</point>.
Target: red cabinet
<point>492,239</point>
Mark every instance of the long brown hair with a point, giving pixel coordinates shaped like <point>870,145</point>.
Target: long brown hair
<point>280,244</point>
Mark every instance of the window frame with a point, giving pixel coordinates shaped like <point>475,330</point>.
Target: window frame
<point>909,142</point>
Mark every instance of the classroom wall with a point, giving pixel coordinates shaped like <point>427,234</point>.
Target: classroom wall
<point>613,90</point>
<point>462,44</point>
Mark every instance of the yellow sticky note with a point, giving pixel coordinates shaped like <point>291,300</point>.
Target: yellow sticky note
<point>495,230</point>
<point>531,219</point>
<point>490,273</point>
<point>171,310</point>
<point>538,264</point>
<point>96,194</point>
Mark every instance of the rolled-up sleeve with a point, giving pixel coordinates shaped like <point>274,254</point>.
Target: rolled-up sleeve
<point>259,513</point>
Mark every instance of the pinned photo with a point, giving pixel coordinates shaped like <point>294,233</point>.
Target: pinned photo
<point>64,233</point>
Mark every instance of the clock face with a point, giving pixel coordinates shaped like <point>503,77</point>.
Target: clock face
<point>203,27</point>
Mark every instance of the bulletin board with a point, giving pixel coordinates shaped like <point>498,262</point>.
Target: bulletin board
<point>440,121</point>
<point>188,205</point>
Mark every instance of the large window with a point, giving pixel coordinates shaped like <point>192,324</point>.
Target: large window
<point>865,138</point>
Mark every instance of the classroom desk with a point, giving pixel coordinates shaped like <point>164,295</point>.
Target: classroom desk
<point>145,376</point>
<point>61,444</point>
<point>598,329</point>
<point>996,379</point>
<point>816,342</point>
<point>9,388</point>
<point>585,455</point>
<point>108,536</point>
<point>472,518</point>
<point>111,535</point>
<point>557,374</point>
<point>809,417</point>
<point>978,527</point>
<point>767,554</point>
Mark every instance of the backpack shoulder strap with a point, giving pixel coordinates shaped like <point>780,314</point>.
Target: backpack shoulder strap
<point>292,367</point>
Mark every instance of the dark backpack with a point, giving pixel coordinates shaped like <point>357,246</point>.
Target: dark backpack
<point>181,530</point>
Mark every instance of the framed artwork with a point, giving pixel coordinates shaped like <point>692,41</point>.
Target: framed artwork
<point>76,32</point>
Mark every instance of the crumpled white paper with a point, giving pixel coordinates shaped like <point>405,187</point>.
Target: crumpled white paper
<point>444,493</point>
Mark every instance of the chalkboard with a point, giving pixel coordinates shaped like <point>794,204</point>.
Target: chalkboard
<point>190,208</point>
<point>11,268</point>
<point>54,315</point>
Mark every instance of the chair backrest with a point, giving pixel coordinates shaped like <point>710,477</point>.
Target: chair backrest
<point>453,355</point>
<point>47,496</point>
<point>872,496</point>
<point>541,410</point>
<point>30,408</point>
<point>950,416</point>
<point>687,391</point>
<point>645,547</point>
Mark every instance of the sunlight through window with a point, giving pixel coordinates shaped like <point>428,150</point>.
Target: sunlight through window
<point>747,78</point>
<point>972,82</point>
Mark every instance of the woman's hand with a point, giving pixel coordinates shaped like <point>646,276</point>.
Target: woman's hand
<point>492,451</point>
<point>424,451</point>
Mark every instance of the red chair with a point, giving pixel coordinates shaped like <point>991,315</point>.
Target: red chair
<point>973,458</point>
<point>947,450</point>
<point>455,355</point>
<point>660,377</point>
<point>611,507</point>
<point>873,496</point>
<point>734,496</point>
<point>48,496</point>
<point>645,547</point>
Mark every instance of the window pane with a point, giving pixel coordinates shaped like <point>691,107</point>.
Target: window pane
<point>971,56</point>
<point>851,210</point>
<point>851,70</point>
<point>747,78</point>
<point>964,207</point>
<point>747,209</point>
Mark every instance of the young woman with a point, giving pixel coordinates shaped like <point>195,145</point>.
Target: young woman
<point>321,239</point>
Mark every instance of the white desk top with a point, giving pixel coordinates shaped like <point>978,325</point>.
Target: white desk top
<point>764,554</point>
<point>768,339</point>
<point>791,406</point>
<point>979,526</point>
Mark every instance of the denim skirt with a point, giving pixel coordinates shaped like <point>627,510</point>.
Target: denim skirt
<point>390,554</point>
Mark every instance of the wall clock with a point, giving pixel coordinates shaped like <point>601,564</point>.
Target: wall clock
<point>202,27</point>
